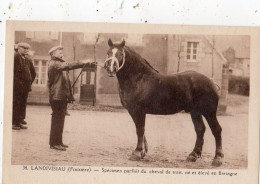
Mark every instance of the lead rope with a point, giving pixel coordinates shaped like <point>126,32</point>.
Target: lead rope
<point>96,63</point>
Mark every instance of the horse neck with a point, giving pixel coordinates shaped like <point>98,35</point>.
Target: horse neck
<point>133,70</point>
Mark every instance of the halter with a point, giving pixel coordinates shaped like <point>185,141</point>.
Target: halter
<point>113,58</point>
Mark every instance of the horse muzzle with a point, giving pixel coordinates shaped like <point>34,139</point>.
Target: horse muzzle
<point>111,66</point>
<point>111,73</point>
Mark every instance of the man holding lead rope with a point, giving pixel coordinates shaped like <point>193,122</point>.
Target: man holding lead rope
<point>60,93</point>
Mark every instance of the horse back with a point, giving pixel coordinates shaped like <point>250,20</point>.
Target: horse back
<point>200,92</point>
<point>169,94</point>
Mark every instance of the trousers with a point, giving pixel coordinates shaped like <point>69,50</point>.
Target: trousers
<point>57,122</point>
<point>19,106</point>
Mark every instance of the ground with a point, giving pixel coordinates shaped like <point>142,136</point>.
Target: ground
<point>99,138</point>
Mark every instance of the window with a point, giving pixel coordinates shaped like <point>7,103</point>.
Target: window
<point>88,77</point>
<point>41,36</point>
<point>29,34</point>
<point>90,38</point>
<point>41,67</point>
<point>54,35</point>
<point>135,39</point>
<point>192,51</point>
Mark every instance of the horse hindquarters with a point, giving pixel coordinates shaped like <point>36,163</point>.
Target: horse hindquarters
<point>200,130</point>
<point>138,117</point>
<point>208,109</point>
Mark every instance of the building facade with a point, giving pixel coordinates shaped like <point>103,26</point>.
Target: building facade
<point>168,54</point>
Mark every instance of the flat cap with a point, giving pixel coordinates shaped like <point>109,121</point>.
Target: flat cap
<point>24,45</point>
<point>54,49</point>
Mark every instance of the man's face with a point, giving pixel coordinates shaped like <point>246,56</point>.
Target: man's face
<point>23,51</point>
<point>58,53</point>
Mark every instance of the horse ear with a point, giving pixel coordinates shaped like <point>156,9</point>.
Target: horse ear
<point>110,43</point>
<point>122,44</point>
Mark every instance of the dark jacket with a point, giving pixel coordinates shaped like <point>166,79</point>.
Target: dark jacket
<point>59,83</point>
<point>24,73</point>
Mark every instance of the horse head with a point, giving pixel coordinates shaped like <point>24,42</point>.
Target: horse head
<point>115,57</point>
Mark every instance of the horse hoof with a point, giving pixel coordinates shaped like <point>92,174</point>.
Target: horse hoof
<point>135,156</point>
<point>191,158</point>
<point>143,154</point>
<point>217,162</point>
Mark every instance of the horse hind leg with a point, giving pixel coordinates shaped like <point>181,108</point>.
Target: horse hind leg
<point>200,130</point>
<point>145,145</point>
<point>216,131</point>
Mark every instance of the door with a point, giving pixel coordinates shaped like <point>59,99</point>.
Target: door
<point>87,89</point>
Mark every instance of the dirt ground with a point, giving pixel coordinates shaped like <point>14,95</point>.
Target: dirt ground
<point>98,138</point>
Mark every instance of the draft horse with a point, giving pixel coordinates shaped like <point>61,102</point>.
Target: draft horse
<point>143,90</point>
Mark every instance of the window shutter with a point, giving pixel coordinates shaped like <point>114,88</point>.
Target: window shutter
<point>184,47</point>
<point>183,53</point>
<point>201,51</point>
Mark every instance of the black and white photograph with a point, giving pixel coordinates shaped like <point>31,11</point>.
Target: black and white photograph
<point>121,102</point>
<point>99,99</point>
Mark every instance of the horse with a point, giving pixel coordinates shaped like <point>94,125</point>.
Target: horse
<point>143,90</point>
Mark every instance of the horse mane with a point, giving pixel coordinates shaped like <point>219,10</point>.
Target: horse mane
<point>139,58</point>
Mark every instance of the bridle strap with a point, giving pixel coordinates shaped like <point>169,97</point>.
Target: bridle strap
<point>123,61</point>
<point>116,60</point>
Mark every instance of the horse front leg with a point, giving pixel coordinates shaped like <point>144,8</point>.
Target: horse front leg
<point>142,146</point>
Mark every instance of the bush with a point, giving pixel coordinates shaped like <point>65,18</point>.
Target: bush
<point>238,85</point>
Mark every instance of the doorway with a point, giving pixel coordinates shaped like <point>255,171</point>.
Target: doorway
<point>88,86</point>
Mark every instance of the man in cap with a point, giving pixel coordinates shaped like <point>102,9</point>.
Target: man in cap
<point>24,75</point>
<point>59,93</point>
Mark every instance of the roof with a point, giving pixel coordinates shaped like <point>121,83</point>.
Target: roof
<point>216,49</point>
<point>240,43</point>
